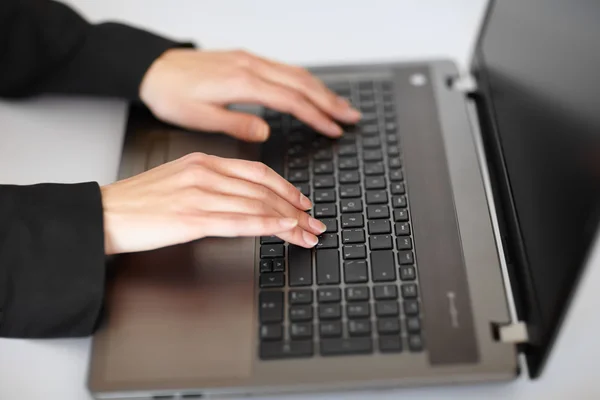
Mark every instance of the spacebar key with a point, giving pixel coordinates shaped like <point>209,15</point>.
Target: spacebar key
<point>299,266</point>
<point>358,345</point>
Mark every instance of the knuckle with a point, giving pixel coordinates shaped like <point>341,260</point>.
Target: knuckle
<point>243,77</point>
<point>195,158</point>
<point>243,57</point>
<point>260,169</point>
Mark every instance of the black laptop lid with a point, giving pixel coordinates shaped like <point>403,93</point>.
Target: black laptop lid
<point>537,66</point>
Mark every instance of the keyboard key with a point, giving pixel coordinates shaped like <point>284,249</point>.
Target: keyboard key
<point>328,241</point>
<point>379,226</point>
<point>348,138</point>
<point>358,310</point>
<point>277,350</point>
<point>372,155</point>
<point>390,344</point>
<point>266,266</point>
<point>298,162</point>
<point>374,182</point>
<point>330,311</point>
<point>415,344</point>
<point>349,177</point>
<point>397,188</point>
<point>396,175</point>
<point>352,221</point>
<point>351,205</point>
<point>383,267</point>
<point>347,150</point>
<point>329,295</point>
<point>353,236</point>
<point>301,313</point>
<point>272,279</point>
<point>369,129</point>
<point>408,273</point>
<point>413,325</point>
<point>393,151</point>
<point>399,201</point>
<point>271,332</point>
<point>402,228</point>
<point>388,326</point>
<point>270,240</point>
<point>409,291</point>
<point>377,197</point>
<point>299,265</point>
<point>323,167</point>
<point>325,196</point>
<point>271,250</point>
<point>331,224</point>
<point>354,251</point>
<point>385,292</point>
<point>374,168</point>
<point>323,155</point>
<point>330,329</point>
<point>406,257</point>
<point>350,191</point>
<point>378,212</point>
<point>411,307</point>
<point>322,182</point>
<point>278,265</point>
<point>370,142</point>
<point>300,297</point>
<point>357,293</point>
<point>380,242</point>
<point>395,162</point>
<point>298,175</point>
<point>348,163</point>
<point>325,210</point>
<point>296,150</point>
<point>355,345</point>
<point>304,188</point>
<point>387,309</point>
<point>301,331</point>
<point>400,215</point>
<point>270,306</point>
<point>328,266</point>
<point>360,327</point>
<point>356,271</point>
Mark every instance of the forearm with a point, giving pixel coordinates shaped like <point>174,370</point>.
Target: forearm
<point>46,47</point>
<point>52,263</point>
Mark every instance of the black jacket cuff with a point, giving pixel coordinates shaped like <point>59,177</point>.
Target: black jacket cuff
<point>52,262</point>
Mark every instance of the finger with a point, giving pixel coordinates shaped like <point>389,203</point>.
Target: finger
<point>311,87</point>
<point>261,174</point>
<point>287,100</point>
<point>211,118</point>
<point>236,225</point>
<point>232,194</point>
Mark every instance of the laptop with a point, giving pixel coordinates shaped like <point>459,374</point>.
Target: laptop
<point>460,212</point>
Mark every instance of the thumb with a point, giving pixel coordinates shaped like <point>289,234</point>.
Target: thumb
<point>240,125</point>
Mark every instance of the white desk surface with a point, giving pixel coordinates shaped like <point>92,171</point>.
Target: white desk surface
<point>73,140</point>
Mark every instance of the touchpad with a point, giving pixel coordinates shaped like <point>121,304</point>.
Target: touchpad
<point>185,312</point>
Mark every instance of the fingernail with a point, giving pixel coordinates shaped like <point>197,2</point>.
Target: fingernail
<point>288,223</point>
<point>335,129</point>
<point>305,202</point>
<point>262,132</point>
<point>352,113</point>
<point>317,225</point>
<point>311,240</point>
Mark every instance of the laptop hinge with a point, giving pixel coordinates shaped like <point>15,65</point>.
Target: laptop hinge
<point>465,83</point>
<point>515,333</point>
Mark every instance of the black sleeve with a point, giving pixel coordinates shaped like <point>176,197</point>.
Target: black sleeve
<point>52,263</point>
<point>46,47</point>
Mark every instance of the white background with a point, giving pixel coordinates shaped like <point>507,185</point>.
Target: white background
<point>62,140</point>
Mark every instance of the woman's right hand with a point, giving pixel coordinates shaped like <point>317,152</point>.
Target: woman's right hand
<point>201,195</point>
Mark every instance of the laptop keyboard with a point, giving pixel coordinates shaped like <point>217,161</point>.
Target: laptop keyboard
<point>356,292</point>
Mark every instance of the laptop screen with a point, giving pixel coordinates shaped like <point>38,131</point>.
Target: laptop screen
<point>538,69</point>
